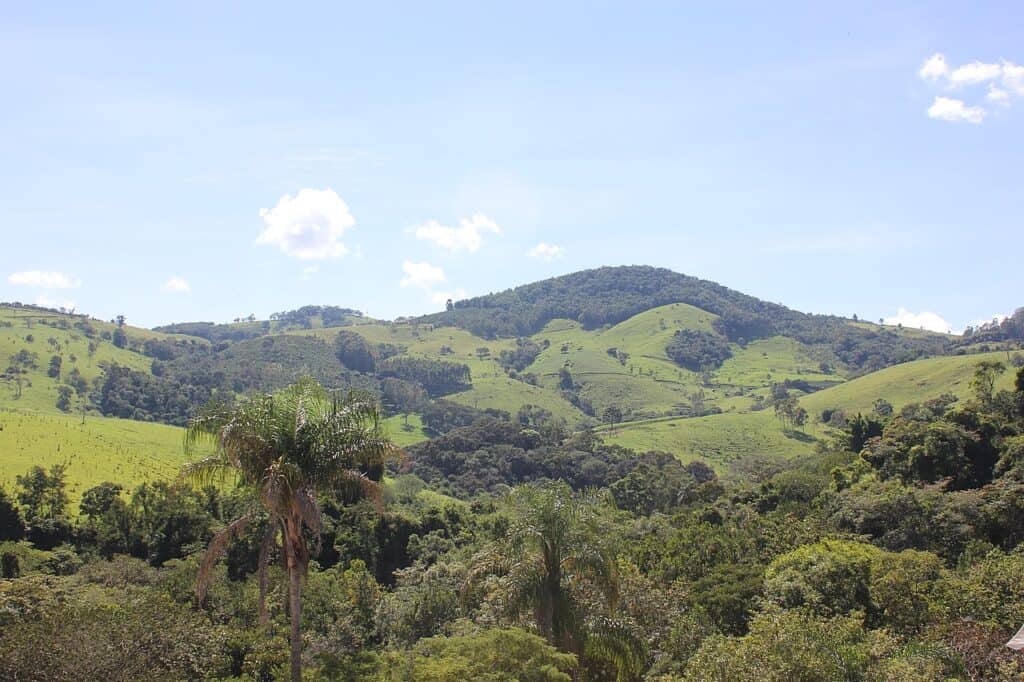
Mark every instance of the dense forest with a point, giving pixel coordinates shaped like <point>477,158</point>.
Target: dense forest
<point>513,549</point>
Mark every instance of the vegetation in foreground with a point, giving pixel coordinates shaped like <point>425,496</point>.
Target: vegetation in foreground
<point>520,551</point>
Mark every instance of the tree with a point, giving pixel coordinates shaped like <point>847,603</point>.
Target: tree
<point>611,415</point>
<point>883,408</point>
<point>11,525</point>
<point>284,450</point>
<point>553,549</point>
<point>984,380</point>
<point>64,398</point>
<point>42,495</point>
<point>53,371</point>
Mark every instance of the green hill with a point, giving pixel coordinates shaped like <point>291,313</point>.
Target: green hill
<point>572,347</point>
<point>915,381</point>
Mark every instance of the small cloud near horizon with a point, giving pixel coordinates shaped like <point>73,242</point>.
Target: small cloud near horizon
<point>44,279</point>
<point>175,285</point>
<point>924,320</point>
<point>546,252</point>
<point>467,237</point>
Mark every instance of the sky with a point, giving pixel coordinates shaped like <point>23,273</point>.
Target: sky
<point>211,160</point>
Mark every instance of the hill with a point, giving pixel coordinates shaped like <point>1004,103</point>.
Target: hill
<point>610,295</point>
<point>688,366</point>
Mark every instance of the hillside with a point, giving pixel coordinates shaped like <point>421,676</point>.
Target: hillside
<point>610,295</point>
<point>688,366</point>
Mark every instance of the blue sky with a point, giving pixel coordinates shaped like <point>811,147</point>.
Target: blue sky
<point>213,160</point>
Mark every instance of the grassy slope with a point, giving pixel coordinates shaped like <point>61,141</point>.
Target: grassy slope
<point>910,382</point>
<point>33,431</point>
<point>40,391</point>
<point>717,439</point>
<point>101,449</point>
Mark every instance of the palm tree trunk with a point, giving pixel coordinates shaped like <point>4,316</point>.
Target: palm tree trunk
<point>294,603</point>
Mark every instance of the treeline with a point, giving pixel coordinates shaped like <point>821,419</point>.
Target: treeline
<point>249,327</point>
<point>185,375</point>
<point>438,377</point>
<point>609,295</point>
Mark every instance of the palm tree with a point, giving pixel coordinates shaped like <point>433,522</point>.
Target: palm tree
<point>285,449</point>
<point>554,548</point>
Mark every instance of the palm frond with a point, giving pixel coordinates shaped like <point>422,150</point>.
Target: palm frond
<point>218,545</point>
<point>615,642</point>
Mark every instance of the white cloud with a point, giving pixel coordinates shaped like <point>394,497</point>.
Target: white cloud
<point>48,302</point>
<point>44,279</point>
<point>441,297</point>
<point>467,237</point>
<point>1013,77</point>
<point>308,226</point>
<point>974,73</point>
<point>421,275</point>
<point>309,271</point>
<point>934,68</point>
<point>175,285</point>
<point>547,252</point>
<point>1003,81</point>
<point>954,110</point>
<point>997,95</point>
<point>923,320</point>
<point>997,318</point>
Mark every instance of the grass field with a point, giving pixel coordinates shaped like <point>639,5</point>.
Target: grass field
<point>910,382</point>
<point>717,439</point>
<point>101,449</point>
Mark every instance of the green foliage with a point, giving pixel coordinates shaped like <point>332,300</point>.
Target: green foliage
<point>789,646</point>
<point>12,527</point>
<point>830,578</point>
<point>354,352</point>
<point>494,655</point>
<point>437,376</point>
<point>698,350</point>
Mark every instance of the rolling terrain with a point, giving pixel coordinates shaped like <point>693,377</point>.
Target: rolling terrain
<point>573,369</point>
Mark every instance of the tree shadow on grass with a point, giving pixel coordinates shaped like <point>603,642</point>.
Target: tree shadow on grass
<point>799,435</point>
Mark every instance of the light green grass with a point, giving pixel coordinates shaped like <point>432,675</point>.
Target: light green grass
<point>717,439</point>
<point>101,449</point>
<point>39,391</point>
<point>395,428</point>
<point>909,382</point>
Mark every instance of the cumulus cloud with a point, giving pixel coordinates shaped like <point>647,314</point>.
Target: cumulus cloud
<point>468,236</point>
<point>309,271</point>
<point>997,318</point>
<point>546,252</point>
<point>1003,81</point>
<point>44,279</point>
<point>997,96</point>
<point>923,320</point>
<point>47,302</point>
<point>934,68</point>
<point>954,110</point>
<point>175,285</point>
<point>421,275</point>
<point>974,73</point>
<point>308,226</point>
